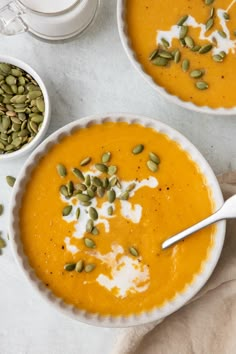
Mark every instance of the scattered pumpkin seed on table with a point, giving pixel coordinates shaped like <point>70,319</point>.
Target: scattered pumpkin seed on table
<point>1,209</point>
<point>10,180</point>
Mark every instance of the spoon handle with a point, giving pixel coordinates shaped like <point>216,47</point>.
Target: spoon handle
<point>200,225</point>
<point>227,211</point>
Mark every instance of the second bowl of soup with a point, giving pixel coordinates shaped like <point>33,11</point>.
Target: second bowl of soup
<point>185,50</point>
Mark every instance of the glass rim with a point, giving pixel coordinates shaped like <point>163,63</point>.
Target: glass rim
<point>50,13</point>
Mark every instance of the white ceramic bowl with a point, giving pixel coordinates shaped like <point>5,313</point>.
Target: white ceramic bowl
<point>47,115</point>
<point>96,319</point>
<point>122,27</point>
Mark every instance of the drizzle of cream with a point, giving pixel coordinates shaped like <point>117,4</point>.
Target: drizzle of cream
<point>127,276</point>
<point>222,44</point>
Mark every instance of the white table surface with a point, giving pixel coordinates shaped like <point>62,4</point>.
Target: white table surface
<point>90,74</point>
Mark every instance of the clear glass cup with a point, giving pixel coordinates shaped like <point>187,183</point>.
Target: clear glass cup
<point>50,20</point>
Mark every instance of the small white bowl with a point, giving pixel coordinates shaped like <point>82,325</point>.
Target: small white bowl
<point>47,114</point>
<point>95,318</point>
<point>125,40</point>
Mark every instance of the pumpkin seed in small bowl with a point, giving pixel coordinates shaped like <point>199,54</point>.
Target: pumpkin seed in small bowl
<point>24,108</point>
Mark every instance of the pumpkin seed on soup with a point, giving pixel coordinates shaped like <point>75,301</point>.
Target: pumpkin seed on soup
<point>79,266</point>
<point>89,242</point>
<point>152,166</point>
<point>61,170</point>
<point>89,267</point>
<point>69,267</point>
<point>67,210</point>
<point>106,157</point>
<point>155,158</point>
<point>202,85</point>
<point>134,251</point>
<point>138,149</point>
<point>85,161</point>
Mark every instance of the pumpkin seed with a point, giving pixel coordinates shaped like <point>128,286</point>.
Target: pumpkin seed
<point>2,243</point>
<point>77,213</point>
<point>89,225</point>
<point>91,193</point>
<point>1,209</point>
<point>89,242</point>
<point>101,167</point>
<point>209,23</point>
<point>97,181</point>
<point>226,16</point>
<point>113,181</point>
<point>209,2</point>
<point>112,170</point>
<point>100,192</point>
<point>67,210</point>
<point>78,173</point>
<point>201,85</point>
<point>182,42</point>
<point>40,104</point>
<point>10,180</point>
<point>183,32</point>
<point>160,61</point>
<point>79,266</point>
<point>110,210</point>
<point>138,149</point>
<point>152,166</point>
<point>95,231</point>
<point>222,54</point>
<point>89,267</point>
<point>152,56</point>
<point>105,183</point>
<point>165,54</point>
<point>106,157</point>
<point>61,170</point>
<point>85,161</point>
<point>64,191</point>
<point>131,187</point>
<point>205,49</point>
<point>93,213</point>
<point>87,180</point>
<point>111,195</point>
<point>82,187</point>
<point>196,74</point>
<point>83,197</point>
<point>212,12</point>
<point>69,267</point>
<point>165,43</point>
<point>182,20</point>
<point>177,56</point>
<point>185,65</point>
<point>218,58</point>
<point>189,42</point>
<point>86,203</point>
<point>124,195</point>
<point>222,34</point>
<point>153,157</point>
<point>134,251</point>
<point>196,48</point>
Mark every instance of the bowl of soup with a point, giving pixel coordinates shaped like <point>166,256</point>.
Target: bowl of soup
<point>186,52</point>
<point>92,207</point>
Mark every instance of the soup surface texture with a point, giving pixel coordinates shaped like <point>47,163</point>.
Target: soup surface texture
<point>204,37</point>
<point>120,267</point>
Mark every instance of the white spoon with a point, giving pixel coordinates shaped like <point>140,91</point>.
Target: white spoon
<point>227,211</point>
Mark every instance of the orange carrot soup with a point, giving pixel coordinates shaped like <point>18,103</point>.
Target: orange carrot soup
<point>187,47</point>
<point>96,210</point>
